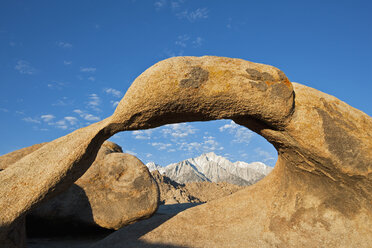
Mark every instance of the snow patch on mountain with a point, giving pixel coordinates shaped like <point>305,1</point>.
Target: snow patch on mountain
<point>213,168</point>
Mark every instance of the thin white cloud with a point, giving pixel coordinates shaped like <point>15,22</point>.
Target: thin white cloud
<point>64,101</point>
<point>159,4</point>
<point>179,130</point>
<point>68,122</point>
<point>47,118</point>
<point>232,125</point>
<point>142,134</point>
<point>182,40</point>
<point>4,110</point>
<point>78,111</point>
<point>265,155</point>
<point>198,42</point>
<point>114,103</point>
<point>72,120</point>
<point>90,117</point>
<point>207,145</point>
<point>86,116</point>
<point>148,155</point>
<point>113,92</point>
<point>229,25</point>
<point>176,4</point>
<point>88,69</point>
<point>94,101</point>
<point>161,146</point>
<point>61,124</point>
<point>198,14</point>
<point>91,78</point>
<point>31,120</point>
<point>64,44</point>
<point>24,67</point>
<point>241,134</point>
<point>192,16</point>
<point>192,146</point>
<point>243,154</point>
<point>56,85</point>
<point>65,62</point>
<point>210,144</point>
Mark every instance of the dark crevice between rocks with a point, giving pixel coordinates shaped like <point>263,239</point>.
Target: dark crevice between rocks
<point>38,228</point>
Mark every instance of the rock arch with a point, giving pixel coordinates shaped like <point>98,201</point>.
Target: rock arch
<point>318,193</point>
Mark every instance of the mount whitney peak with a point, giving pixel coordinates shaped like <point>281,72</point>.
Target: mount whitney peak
<point>213,168</point>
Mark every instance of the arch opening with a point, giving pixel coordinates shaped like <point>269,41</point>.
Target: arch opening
<point>221,142</point>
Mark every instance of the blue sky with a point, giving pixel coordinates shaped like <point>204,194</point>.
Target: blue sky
<point>65,64</point>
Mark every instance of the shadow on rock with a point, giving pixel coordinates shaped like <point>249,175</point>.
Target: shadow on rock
<point>68,214</point>
<point>129,236</point>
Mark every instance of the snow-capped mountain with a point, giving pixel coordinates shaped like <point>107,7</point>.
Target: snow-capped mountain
<point>213,168</point>
<point>152,166</point>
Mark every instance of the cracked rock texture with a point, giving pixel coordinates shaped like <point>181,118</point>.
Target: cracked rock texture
<point>318,195</point>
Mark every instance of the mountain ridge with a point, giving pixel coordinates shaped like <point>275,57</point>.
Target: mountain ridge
<point>210,167</point>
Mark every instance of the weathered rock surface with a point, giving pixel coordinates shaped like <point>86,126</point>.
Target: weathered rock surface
<point>115,191</point>
<point>206,191</point>
<point>12,157</point>
<point>172,192</point>
<point>318,195</point>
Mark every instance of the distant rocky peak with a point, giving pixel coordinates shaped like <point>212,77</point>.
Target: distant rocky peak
<point>210,156</point>
<point>152,166</point>
<point>213,168</point>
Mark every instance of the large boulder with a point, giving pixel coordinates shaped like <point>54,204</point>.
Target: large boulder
<point>115,191</point>
<point>319,193</point>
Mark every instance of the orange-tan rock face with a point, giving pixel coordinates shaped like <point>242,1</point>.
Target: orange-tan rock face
<point>12,157</point>
<point>115,191</point>
<point>319,192</point>
<point>318,195</point>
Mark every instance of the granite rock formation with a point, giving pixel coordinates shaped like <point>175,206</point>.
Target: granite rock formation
<point>319,193</point>
<point>172,192</point>
<point>115,191</point>
<point>12,157</point>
